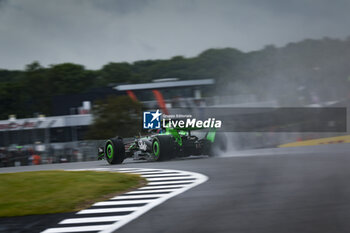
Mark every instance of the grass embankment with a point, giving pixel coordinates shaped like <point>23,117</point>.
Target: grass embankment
<point>46,192</point>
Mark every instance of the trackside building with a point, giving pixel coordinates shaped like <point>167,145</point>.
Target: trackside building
<point>44,130</point>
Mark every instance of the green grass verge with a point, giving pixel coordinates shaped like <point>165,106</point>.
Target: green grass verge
<point>46,192</point>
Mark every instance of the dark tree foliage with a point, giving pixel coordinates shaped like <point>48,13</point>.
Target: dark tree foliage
<point>70,78</point>
<point>116,116</point>
<point>293,74</point>
<point>116,73</point>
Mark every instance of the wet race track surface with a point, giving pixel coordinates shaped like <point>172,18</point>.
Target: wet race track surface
<point>272,190</point>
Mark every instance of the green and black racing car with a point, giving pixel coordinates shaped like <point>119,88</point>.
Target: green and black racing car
<point>168,144</point>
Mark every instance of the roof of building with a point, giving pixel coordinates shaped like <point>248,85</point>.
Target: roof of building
<point>160,85</point>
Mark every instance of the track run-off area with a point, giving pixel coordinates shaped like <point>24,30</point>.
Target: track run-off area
<point>280,190</point>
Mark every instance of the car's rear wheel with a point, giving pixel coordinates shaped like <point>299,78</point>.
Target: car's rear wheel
<point>115,150</point>
<point>162,148</point>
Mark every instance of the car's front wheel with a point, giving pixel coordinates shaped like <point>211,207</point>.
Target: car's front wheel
<point>162,147</point>
<point>115,150</point>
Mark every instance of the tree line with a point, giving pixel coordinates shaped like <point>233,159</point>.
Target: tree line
<point>298,73</point>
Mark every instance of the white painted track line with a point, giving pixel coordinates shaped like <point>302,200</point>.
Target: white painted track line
<point>170,182</point>
<point>76,229</point>
<point>138,196</point>
<point>129,202</point>
<point>148,191</point>
<point>161,175</point>
<point>170,178</point>
<point>107,210</point>
<point>170,186</point>
<point>92,219</point>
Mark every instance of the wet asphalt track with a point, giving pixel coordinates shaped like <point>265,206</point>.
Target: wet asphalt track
<point>270,190</point>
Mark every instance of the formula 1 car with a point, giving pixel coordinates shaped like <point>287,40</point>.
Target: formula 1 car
<point>174,142</point>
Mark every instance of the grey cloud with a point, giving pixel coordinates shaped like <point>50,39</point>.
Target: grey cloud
<point>121,6</point>
<point>93,33</point>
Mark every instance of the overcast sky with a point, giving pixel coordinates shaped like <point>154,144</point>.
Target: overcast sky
<point>94,33</point>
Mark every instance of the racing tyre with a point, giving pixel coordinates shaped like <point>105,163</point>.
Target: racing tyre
<point>162,148</point>
<point>115,151</point>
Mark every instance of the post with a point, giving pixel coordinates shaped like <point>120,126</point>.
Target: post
<point>42,118</point>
